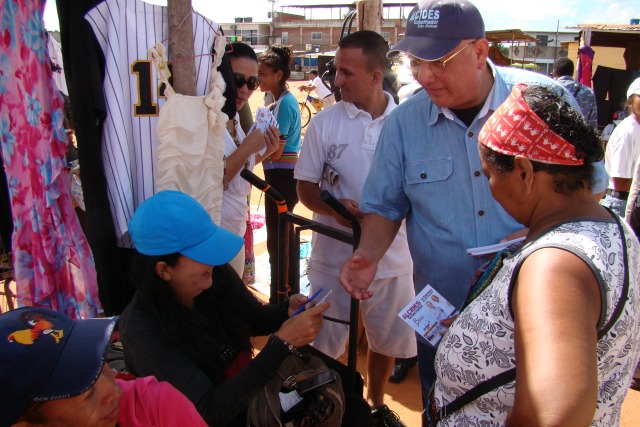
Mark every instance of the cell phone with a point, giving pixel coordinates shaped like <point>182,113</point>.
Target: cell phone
<point>319,380</point>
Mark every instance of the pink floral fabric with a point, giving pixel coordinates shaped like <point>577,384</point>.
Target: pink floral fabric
<point>53,264</point>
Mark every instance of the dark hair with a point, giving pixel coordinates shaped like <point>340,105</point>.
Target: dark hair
<point>203,333</point>
<point>278,58</point>
<point>373,46</point>
<point>563,67</point>
<point>567,122</point>
<point>314,71</point>
<point>242,50</point>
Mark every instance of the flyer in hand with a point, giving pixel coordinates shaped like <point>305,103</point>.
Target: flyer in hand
<point>263,120</point>
<point>425,312</point>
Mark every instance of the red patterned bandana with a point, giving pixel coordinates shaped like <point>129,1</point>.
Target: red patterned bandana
<point>514,129</point>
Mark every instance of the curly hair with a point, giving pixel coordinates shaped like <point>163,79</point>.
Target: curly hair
<point>278,58</point>
<point>567,122</point>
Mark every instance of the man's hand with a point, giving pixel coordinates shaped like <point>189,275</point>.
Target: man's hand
<point>353,207</point>
<point>357,274</point>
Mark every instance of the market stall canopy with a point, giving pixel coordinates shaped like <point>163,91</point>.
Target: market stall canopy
<point>500,36</point>
<point>609,35</point>
<point>614,35</point>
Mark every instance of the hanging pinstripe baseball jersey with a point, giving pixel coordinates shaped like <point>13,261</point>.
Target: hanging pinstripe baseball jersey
<point>125,30</point>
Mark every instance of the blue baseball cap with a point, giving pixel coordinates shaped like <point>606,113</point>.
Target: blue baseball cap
<point>45,355</point>
<point>174,222</point>
<point>436,27</point>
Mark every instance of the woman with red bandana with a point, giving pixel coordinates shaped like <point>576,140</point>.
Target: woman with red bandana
<point>553,339</point>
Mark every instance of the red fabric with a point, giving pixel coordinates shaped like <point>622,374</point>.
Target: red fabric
<point>514,129</point>
<point>585,65</point>
<point>147,402</point>
<point>238,364</point>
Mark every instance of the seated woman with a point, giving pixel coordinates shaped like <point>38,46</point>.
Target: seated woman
<point>563,310</point>
<point>191,319</point>
<point>242,151</point>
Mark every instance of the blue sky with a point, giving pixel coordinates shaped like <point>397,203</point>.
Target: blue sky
<point>538,15</point>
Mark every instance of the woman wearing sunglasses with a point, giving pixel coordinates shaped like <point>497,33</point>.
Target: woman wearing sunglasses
<point>242,151</point>
<point>278,167</point>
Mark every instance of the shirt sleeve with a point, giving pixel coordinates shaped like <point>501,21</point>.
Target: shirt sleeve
<point>310,164</point>
<point>383,191</point>
<point>620,157</point>
<point>148,402</point>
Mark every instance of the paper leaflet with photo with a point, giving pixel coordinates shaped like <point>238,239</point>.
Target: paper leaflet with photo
<point>425,312</point>
<point>263,120</point>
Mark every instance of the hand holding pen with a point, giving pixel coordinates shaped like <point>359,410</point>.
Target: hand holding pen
<point>303,307</point>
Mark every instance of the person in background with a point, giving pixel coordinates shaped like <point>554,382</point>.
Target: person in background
<point>274,71</point>
<point>323,93</point>
<point>564,308</point>
<point>563,74</point>
<point>617,118</point>
<point>343,139</point>
<point>192,317</point>
<point>426,166</point>
<point>54,373</point>
<point>622,153</point>
<point>242,151</point>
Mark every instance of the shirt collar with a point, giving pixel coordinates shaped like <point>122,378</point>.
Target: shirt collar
<point>492,102</point>
<point>353,111</point>
<point>565,78</point>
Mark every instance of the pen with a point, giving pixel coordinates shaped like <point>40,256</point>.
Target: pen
<point>324,298</point>
<point>302,307</point>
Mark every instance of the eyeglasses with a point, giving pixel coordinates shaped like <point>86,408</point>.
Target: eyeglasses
<point>437,66</point>
<point>252,82</point>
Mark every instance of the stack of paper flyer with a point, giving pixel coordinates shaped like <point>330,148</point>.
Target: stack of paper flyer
<point>425,312</point>
<point>492,249</point>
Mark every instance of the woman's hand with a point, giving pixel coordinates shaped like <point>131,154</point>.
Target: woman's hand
<point>272,139</point>
<point>295,302</point>
<point>303,328</point>
<point>255,141</point>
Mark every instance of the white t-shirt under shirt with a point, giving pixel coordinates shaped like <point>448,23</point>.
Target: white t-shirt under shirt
<point>320,89</point>
<point>345,138</point>
<point>623,149</point>
<point>233,216</point>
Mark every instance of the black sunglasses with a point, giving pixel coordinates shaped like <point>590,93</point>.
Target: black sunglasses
<point>252,82</point>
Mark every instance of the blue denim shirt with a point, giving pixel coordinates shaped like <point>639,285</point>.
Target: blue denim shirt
<point>426,169</point>
<point>585,98</point>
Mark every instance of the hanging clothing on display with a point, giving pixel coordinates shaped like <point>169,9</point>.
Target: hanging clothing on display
<point>125,30</point>
<point>53,264</point>
<point>55,55</point>
<point>190,136</point>
<point>585,65</point>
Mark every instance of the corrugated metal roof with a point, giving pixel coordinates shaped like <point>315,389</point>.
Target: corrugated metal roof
<point>607,27</point>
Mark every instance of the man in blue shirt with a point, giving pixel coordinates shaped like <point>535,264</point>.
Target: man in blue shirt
<point>586,99</point>
<point>426,167</point>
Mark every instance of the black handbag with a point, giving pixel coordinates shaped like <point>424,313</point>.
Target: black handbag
<point>324,406</point>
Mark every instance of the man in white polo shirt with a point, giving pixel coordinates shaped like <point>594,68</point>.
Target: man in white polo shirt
<point>336,156</point>
<point>322,91</point>
<point>622,153</point>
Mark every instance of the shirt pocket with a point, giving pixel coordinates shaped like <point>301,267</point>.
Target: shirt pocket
<point>430,189</point>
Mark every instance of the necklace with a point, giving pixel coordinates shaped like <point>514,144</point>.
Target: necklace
<point>234,135</point>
